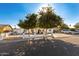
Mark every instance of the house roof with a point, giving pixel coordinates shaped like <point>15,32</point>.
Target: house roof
<point>2,26</point>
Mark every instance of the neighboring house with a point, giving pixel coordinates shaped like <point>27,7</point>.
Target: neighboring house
<point>18,30</point>
<point>5,28</point>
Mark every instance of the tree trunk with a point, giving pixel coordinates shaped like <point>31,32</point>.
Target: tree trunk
<point>1,38</point>
<point>52,33</point>
<point>34,33</point>
<point>34,36</point>
<point>46,34</point>
<point>28,37</point>
<point>43,33</point>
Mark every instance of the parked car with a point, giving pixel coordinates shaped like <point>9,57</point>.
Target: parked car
<point>66,31</point>
<point>74,32</point>
<point>70,31</point>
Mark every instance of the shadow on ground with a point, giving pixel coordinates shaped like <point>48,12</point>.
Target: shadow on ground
<point>54,47</point>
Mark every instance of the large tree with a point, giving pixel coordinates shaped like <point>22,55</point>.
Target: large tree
<point>23,24</point>
<point>76,25</point>
<point>32,20</point>
<point>49,19</point>
<point>28,22</point>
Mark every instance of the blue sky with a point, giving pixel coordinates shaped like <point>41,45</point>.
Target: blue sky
<point>10,13</point>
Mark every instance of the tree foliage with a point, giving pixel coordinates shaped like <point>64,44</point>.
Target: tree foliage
<point>64,26</point>
<point>23,24</point>
<point>49,19</point>
<point>76,25</point>
<point>28,22</point>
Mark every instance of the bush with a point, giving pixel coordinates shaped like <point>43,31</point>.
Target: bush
<point>72,29</point>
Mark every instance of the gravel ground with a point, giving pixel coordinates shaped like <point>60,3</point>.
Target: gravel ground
<point>61,45</point>
<point>32,48</point>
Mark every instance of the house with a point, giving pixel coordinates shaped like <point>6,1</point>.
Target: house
<point>18,30</point>
<point>5,28</point>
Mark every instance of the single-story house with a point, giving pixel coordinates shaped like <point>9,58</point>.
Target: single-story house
<point>18,30</point>
<point>5,28</point>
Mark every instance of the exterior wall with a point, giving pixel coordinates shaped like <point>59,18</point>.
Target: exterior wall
<point>1,30</point>
<point>18,30</point>
<point>5,28</point>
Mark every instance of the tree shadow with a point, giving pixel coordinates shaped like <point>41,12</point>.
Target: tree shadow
<point>41,47</point>
<point>52,47</point>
